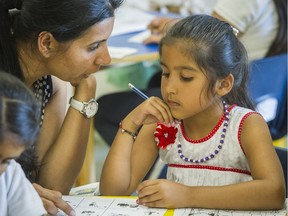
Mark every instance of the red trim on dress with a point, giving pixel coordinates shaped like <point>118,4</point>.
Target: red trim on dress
<point>241,125</point>
<point>215,129</point>
<point>210,168</point>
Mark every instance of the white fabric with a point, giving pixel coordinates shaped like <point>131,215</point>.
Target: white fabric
<point>256,19</point>
<point>201,6</point>
<point>17,195</point>
<point>230,156</point>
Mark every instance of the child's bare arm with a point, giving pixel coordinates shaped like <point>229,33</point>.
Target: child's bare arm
<point>128,162</point>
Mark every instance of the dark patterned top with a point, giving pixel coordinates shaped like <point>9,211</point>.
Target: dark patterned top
<point>43,89</point>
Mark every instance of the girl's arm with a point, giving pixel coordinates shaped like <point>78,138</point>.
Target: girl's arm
<point>265,191</point>
<point>63,138</point>
<point>128,162</point>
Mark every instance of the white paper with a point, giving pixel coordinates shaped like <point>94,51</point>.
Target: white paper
<point>140,37</point>
<point>129,19</point>
<point>215,212</point>
<point>267,107</point>
<point>120,52</point>
<point>103,206</point>
<point>86,190</point>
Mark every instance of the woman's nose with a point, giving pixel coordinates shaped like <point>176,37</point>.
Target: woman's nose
<point>104,58</point>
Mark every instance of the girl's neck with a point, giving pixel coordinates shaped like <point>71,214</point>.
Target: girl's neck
<point>202,124</point>
<point>31,63</point>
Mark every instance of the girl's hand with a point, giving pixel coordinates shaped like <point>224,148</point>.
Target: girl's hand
<point>162,193</point>
<point>52,201</point>
<point>151,111</point>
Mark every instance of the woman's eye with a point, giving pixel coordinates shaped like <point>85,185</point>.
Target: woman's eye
<point>92,48</point>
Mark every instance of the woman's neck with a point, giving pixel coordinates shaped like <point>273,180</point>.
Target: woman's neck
<point>31,63</point>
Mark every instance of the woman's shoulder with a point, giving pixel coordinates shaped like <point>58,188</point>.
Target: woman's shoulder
<point>58,84</point>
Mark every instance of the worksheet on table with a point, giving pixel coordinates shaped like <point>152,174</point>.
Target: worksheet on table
<point>104,206</point>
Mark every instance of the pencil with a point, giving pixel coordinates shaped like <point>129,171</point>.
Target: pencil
<point>137,91</point>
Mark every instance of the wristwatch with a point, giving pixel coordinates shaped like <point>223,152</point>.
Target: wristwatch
<point>88,109</point>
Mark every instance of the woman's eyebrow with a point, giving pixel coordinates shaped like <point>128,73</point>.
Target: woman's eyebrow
<point>96,42</point>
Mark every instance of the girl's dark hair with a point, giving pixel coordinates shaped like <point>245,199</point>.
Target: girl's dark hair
<point>216,50</point>
<point>279,45</point>
<point>19,112</point>
<point>66,20</point>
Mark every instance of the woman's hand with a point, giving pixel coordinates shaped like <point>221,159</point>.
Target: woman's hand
<point>86,88</point>
<point>162,193</point>
<point>53,201</point>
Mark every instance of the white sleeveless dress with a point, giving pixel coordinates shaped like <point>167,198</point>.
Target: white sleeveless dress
<point>229,166</point>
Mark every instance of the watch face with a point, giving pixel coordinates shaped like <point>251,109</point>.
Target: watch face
<point>91,109</point>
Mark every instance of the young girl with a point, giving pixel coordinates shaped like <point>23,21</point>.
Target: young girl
<point>218,150</point>
<point>19,127</point>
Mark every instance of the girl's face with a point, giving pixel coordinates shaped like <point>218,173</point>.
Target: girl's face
<point>9,149</point>
<point>84,55</point>
<point>183,84</point>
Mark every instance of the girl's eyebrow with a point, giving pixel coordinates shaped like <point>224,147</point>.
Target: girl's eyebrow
<point>180,68</point>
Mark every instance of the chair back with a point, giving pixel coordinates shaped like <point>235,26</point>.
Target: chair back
<point>267,87</point>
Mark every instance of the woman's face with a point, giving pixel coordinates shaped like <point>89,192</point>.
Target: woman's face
<point>85,55</point>
<point>9,149</point>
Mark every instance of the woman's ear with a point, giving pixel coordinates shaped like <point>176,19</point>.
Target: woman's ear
<point>225,85</point>
<point>46,44</point>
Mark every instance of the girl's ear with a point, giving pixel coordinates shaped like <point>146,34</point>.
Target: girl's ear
<point>225,85</point>
<point>46,44</point>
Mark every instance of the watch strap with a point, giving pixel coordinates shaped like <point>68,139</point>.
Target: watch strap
<point>76,104</point>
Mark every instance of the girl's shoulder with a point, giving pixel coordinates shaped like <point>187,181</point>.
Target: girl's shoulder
<point>239,111</point>
<point>239,115</point>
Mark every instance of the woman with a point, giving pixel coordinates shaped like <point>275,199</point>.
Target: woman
<point>47,43</point>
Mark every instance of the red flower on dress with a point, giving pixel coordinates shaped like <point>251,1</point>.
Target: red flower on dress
<point>164,136</point>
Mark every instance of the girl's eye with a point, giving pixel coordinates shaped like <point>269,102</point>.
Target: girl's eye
<point>94,47</point>
<point>186,79</point>
<point>165,74</point>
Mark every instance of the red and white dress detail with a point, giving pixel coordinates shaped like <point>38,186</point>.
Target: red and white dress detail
<point>228,166</point>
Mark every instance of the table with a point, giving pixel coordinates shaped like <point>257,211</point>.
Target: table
<point>85,198</point>
<point>144,53</point>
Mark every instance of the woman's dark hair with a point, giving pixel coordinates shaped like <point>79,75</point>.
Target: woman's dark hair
<point>216,50</point>
<point>19,111</point>
<point>66,20</point>
<point>279,45</point>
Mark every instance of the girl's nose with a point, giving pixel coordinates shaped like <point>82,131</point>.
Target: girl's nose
<point>170,86</point>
